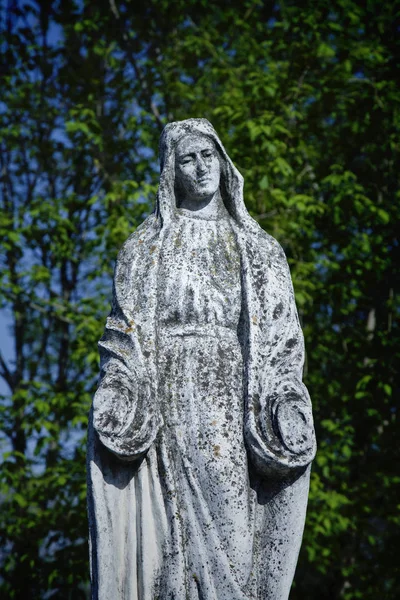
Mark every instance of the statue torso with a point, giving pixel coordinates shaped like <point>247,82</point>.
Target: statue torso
<point>199,277</point>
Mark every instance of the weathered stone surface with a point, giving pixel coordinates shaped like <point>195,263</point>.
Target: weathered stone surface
<point>201,431</point>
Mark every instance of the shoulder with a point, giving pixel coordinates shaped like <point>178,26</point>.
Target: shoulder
<point>272,245</point>
<point>132,255</point>
<point>147,232</point>
<point>264,243</point>
<point>265,256</point>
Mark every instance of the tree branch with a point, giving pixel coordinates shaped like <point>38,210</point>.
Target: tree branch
<point>138,72</point>
<point>6,374</point>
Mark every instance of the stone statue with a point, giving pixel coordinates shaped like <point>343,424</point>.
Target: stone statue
<point>201,431</point>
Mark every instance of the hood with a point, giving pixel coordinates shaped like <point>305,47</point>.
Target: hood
<point>231,180</point>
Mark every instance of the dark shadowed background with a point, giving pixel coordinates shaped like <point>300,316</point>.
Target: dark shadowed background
<point>305,96</point>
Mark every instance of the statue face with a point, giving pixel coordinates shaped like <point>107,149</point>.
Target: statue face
<point>197,169</point>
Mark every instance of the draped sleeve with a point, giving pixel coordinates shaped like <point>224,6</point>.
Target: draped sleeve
<point>125,415</point>
<point>279,426</point>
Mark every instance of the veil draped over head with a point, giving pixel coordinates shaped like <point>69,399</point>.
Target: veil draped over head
<point>231,179</point>
<point>128,523</point>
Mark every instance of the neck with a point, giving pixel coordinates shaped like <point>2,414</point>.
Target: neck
<point>208,207</point>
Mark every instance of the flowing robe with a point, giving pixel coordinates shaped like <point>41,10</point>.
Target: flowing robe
<point>166,517</point>
<point>139,542</point>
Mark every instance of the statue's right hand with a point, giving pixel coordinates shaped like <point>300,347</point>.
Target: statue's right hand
<point>114,407</point>
<point>123,417</point>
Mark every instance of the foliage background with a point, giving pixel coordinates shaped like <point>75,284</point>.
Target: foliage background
<point>306,99</point>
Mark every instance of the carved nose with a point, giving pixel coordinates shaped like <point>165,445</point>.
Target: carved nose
<point>201,166</point>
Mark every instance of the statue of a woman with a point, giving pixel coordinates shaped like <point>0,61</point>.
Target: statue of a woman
<point>201,431</point>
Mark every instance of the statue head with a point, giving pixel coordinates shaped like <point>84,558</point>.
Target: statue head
<point>194,164</point>
<point>197,171</point>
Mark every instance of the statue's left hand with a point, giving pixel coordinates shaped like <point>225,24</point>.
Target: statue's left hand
<point>293,426</point>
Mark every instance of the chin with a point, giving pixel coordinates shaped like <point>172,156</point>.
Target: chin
<point>206,192</point>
